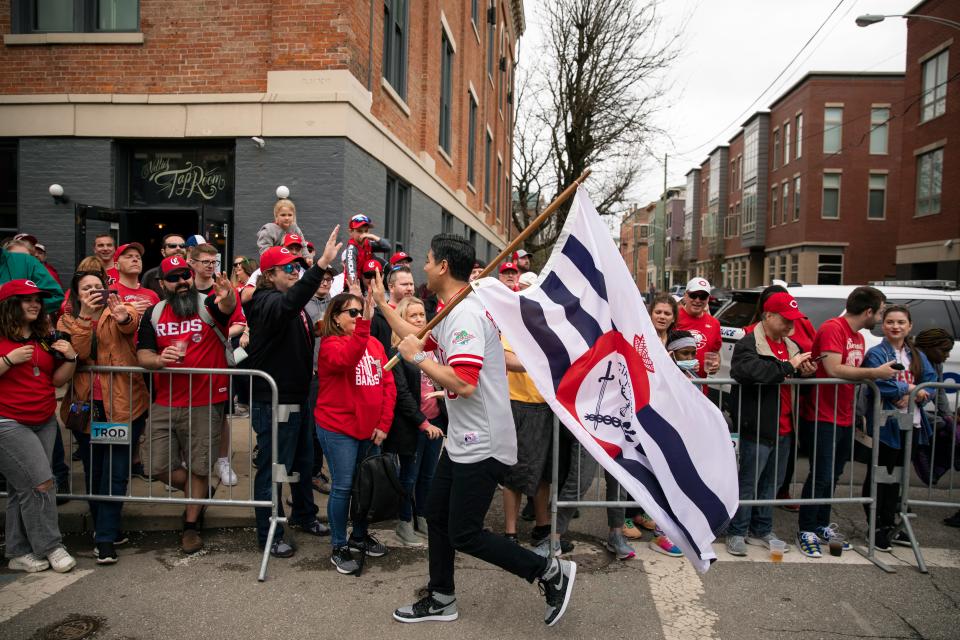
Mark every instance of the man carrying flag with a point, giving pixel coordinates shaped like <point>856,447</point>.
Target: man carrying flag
<point>481,440</point>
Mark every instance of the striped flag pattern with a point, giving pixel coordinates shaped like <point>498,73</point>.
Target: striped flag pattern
<point>584,335</point>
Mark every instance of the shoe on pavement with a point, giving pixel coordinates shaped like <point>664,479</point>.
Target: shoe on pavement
<point>407,535</point>
<point>190,541</point>
<point>60,560</point>
<point>953,521</point>
<point>28,562</point>
<point>645,522</point>
<point>630,530</point>
<point>539,533</point>
<point>369,545</point>
<point>809,544</point>
<point>663,544</point>
<point>321,483</point>
<point>556,584</point>
<point>881,540</point>
<point>617,545</point>
<point>105,553</point>
<point>343,560</point>
<point>314,528</point>
<point>765,540</point>
<point>901,539</point>
<point>421,527</point>
<point>736,546</point>
<point>227,476</point>
<point>831,531</point>
<point>543,549</point>
<point>121,539</point>
<point>433,606</point>
<point>281,549</point>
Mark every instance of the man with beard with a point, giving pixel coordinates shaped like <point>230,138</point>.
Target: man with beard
<point>184,330</point>
<point>826,415</point>
<point>171,245</point>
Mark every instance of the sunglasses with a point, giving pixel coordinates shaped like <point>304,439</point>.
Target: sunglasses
<point>176,246</point>
<point>699,295</point>
<point>293,267</point>
<point>354,313</point>
<point>237,264</point>
<point>180,276</point>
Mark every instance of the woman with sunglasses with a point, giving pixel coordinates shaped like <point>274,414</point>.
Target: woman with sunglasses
<point>31,369</point>
<point>354,412</point>
<point>242,270</point>
<point>102,329</point>
<point>282,347</point>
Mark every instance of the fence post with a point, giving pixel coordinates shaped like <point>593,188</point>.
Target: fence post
<point>554,484</point>
<point>878,419</point>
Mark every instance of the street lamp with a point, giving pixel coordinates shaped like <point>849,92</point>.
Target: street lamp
<point>868,19</point>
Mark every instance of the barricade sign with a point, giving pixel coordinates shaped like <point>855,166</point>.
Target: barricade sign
<point>110,433</point>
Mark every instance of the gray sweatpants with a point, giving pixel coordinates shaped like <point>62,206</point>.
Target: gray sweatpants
<point>583,470</point>
<point>25,456</point>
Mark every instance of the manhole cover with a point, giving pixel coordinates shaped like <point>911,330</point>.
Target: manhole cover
<point>73,628</point>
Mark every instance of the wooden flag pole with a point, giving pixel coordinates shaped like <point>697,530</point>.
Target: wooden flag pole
<point>509,249</point>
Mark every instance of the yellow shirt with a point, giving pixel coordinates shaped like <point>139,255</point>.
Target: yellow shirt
<point>522,388</point>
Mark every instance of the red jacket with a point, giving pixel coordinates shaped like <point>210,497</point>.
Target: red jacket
<point>355,394</point>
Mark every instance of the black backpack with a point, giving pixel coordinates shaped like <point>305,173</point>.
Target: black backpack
<point>376,490</point>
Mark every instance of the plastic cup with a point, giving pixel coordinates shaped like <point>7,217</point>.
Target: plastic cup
<point>777,549</point>
<point>836,545</point>
<point>181,347</point>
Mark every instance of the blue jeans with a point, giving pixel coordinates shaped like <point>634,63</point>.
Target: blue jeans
<point>828,458</point>
<point>762,468</point>
<point>295,452</point>
<point>416,474</point>
<point>343,452</point>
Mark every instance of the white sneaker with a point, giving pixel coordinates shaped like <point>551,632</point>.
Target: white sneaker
<point>60,560</point>
<point>227,475</point>
<point>28,562</point>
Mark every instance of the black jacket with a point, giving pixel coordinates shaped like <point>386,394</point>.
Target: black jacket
<point>755,402</point>
<point>380,329</point>
<point>407,416</point>
<point>281,339</point>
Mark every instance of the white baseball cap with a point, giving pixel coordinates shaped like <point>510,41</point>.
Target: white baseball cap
<point>698,284</point>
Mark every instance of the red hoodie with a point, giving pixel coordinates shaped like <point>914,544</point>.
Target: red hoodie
<point>355,394</point>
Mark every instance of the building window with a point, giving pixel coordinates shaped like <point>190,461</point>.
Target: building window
<point>491,30</point>
<point>774,206</point>
<point>796,198</point>
<point>795,268</point>
<point>446,90</point>
<point>397,226</point>
<point>830,268</point>
<point>497,204</point>
<point>472,142</point>
<point>934,99</point>
<point>929,182</point>
<point>9,222</point>
<point>879,129</point>
<point>776,148</point>
<point>751,150</point>
<point>75,16</point>
<point>784,202</point>
<point>832,129</point>
<point>831,195</point>
<point>782,272</point>
<point>395,45</point>
<point>798,121</point>
<point>877,200</point>
<point>786,143</point>
<point>486,169</point>
<point>749,220</point>
<point>446,221</point>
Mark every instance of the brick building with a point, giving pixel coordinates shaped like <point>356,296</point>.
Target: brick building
<point>634,242</point>
<point>928,238</point>
<point>181,116</point>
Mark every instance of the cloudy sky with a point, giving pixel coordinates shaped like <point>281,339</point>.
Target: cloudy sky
<point>731,50</point>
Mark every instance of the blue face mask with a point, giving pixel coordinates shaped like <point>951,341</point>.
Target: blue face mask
<point>688,365</point>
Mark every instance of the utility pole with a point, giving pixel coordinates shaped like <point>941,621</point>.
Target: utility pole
<point>661,268</point>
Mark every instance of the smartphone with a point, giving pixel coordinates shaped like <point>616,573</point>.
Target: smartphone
<point>818,358</point>
<point>104,296</point>
<point>897,366</point>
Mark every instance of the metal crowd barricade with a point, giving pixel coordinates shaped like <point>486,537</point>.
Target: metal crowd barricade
<point>936,495</point>
<point>106,434</point>
<point>724,393</point>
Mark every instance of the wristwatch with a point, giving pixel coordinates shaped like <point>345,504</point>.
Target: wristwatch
<point>419,357</point>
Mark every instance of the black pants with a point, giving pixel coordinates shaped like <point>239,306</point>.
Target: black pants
<point>458,502</point>
<point>888,493</point>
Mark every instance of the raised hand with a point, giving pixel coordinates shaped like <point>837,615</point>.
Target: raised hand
<point>117,310</point>
<point>224,289</point>
<point>376,287</point>
<point>331,249</point>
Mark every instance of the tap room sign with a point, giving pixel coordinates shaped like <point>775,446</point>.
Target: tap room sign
<point>183,176</point>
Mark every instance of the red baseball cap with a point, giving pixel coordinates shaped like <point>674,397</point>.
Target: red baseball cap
<point>310,247</point>
<point>399,256</point>
<point>279,256</point>
<point>371,267</point>
<point>124,247</point>
<point>509,266</point>
<point>292,238</point>
<point>176,262</point>
<point>783,304</point>
<point>21,288</point>
<point>360,220</point>
<point>519,253</point>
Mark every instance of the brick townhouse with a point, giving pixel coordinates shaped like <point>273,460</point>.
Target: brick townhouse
<point>634,243</point>
<point>166,115</point>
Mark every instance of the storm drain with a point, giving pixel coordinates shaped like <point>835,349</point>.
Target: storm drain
<point>74,627</point>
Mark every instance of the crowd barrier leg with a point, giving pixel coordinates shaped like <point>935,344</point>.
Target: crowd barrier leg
<point>554,483</point>
<point>870,553</point>
<point>278,475</point>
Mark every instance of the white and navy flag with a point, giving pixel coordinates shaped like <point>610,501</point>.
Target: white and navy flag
<point>584,336</point>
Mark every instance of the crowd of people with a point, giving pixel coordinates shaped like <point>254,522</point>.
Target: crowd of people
<point>459,416</point>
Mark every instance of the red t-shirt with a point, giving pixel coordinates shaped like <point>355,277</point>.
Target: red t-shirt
<point>706,331</point>
<point>129,294</point>
<point>24,397</point>
<point>786,424</point>
<point>836,336</point>
<point>204,351</point>
<point>113,276</point>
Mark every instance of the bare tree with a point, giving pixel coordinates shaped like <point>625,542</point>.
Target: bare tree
<point>599,83</point>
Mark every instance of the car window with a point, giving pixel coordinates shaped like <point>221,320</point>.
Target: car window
<point>737,314</point>
<point>819,310</point>
<point>925,314</point>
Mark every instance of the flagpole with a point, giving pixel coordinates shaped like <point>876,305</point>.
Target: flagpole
<point>509,249</point>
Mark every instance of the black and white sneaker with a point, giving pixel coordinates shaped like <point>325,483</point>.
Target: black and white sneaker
<point>901,539</point>
<point>369,545</point>
<point>105,553</point>
<point>881,540</point>
<point>343,561</point>
<point>556,584</point>
<point>437,607</point>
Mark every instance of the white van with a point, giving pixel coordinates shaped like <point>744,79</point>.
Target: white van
<point>928,308</point>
